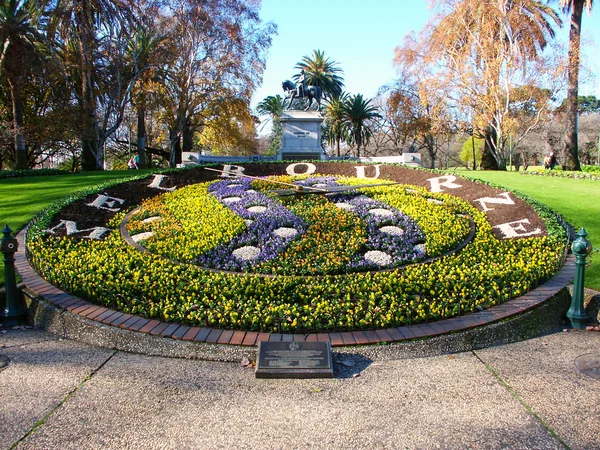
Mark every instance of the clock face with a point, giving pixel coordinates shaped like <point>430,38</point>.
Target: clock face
<point>224,250</point>
<point>327,227</point>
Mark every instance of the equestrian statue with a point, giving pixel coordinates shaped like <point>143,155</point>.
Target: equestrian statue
<point>301,90</point>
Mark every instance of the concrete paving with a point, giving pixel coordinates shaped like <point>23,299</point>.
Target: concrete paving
<point>60,394</point>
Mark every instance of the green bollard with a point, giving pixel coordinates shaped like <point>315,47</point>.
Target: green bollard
<point>14,312</point>
<point>576,313</point>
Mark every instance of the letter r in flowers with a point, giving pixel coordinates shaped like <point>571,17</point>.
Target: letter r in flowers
<point>447,181</point>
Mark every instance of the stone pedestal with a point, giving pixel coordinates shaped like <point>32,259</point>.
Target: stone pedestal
<point>301,136</point>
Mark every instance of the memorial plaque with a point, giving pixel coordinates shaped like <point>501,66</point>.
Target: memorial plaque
<point>294,360</point>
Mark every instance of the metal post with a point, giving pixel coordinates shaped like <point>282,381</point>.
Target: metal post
<point>14,312</point>
<point>581,248</point>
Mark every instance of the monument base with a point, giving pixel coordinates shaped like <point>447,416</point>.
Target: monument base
<point>301,136</point>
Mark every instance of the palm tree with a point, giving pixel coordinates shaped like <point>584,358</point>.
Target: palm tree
<point>19,40</point>
<point>272,106</point>
<point>335,123</point>
<point>145,48</point>
<point>322,72</point>
<point>76,23</point>
<point>575,8</point>
<point>358,112</point>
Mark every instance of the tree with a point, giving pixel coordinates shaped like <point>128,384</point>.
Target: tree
<point>272,107</point>
<point>323,72</point>
<point>357,113</point>
<point>19,47</point>
<point>230,129</point>
<point>92,41</point>
<point>471,152</point>
<point>479,52</point>
<point>575,8</point>
<point>218,55</point>
<point>420,114</point>
<point>147,45</point>
<point>335,125</point>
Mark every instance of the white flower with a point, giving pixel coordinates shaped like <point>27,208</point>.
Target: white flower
<point>151,219</point>
<point>234,185</point>
<point>285,232</point>
<point>250,191</point>
<point>248,222</point>
<point>381,212</point>
<point>420,249</point>
<point>435,201</point>
<point>344,205</point>
<point>231,199</point>
<point>319,185</point>
<point>379,258</point>
<point>397,231</point>
<point>141,236</point>
<point>257,209</point>
<point>246,253</point>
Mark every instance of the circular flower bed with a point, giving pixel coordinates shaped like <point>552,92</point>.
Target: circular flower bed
<point>371,258</point>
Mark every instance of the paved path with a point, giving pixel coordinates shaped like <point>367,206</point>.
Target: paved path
<point>60,394</point>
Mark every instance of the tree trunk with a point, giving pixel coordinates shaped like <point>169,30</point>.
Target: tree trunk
<point>17,107</point>
<point>175,148</point>
<point>430,145</point>
<point>488,158</point>
<point>570,138</point>
<point>141,137</point>
<point>474,152</point>
<point>188,137</point>
<point>90,157</point>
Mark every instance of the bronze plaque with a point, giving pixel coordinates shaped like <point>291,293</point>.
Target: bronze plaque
<point>294,360</point>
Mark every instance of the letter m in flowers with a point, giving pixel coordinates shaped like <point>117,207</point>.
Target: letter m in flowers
<point>70,229</point>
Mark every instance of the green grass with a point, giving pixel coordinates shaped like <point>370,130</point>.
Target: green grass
<point>578,201</point>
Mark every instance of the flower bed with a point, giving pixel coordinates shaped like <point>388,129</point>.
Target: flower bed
<point>341,238</point>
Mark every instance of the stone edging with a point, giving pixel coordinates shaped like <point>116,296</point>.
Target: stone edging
<point>139,329</point>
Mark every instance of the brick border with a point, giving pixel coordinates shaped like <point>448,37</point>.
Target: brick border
<point>79,307</point>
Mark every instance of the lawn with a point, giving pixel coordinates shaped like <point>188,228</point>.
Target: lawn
<point>578,201</point>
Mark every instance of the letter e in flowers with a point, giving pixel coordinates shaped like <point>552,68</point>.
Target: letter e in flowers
<point>106,202</point>
<point>516,229</point>
<point>505,200</point>
<point>447,181</point>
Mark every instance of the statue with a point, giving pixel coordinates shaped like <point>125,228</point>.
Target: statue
<point>301,90</point>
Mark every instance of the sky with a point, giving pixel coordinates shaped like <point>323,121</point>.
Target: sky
<point>360,35</point>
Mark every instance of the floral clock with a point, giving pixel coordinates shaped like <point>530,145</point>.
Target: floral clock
<point>299,247</point>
